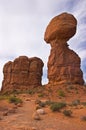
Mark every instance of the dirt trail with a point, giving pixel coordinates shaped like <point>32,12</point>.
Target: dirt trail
<point>22,119</point>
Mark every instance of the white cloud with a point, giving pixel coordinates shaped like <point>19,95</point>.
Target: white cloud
<point>23,23</point>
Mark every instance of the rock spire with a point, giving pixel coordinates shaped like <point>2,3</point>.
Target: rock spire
<point>63,64</point>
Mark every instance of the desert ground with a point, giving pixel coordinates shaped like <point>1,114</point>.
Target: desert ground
<point>33,109</point>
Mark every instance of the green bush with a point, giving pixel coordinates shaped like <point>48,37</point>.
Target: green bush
<point>14,100</point>
<point>57,106</point>
<point>40,95</point>
<point>49,102</point>
<point>4,97</point>
<point>61,93</point>
<point>67,112</point>
<point>40,103</point>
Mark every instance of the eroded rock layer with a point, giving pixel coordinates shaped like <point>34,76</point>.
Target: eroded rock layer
<point>22,74</point>
<point>64,63</point>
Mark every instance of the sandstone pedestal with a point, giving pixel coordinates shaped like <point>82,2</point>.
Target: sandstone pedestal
<point>63,64</point>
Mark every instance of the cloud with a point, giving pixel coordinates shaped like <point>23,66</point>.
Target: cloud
<point>23,23</point>
<point>84,68</point>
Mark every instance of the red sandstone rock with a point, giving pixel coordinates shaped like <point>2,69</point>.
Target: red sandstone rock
<point>22,74</point>
<point>61,27</point>
<point>63,63</point>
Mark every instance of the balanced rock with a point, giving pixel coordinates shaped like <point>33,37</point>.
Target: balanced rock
<point>22,74</point>
<point>63,64</point>
<point>61,27</point>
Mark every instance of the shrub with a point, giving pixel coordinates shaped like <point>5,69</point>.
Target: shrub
<point>15,100</point>
<point>57,106</point>
<point>61,93</point>
<point>42,104</point>
<point>41,95</point>
<point>30,92</point>
<point>67,112</point>
<point>4,97</point>
<point>49,102</point>
<point>71,87</point>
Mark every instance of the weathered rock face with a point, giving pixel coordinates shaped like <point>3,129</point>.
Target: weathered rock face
<point>63,63</point>
<point>61,27</point>
<point>22,74</point>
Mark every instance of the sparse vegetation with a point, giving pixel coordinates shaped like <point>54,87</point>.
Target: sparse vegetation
<point>83,103</point>
<point>31,92</point>
<point>42,104</point>
<point>67,113</point>
<point>57,106</point>
<point>2,97</point>
<point>16,92</point>
<point>40,95</point>
<point>14,100</point>
<point>71,87</point>
<point>49,90</point>
<point>49,102</point>
<point>61,93</point>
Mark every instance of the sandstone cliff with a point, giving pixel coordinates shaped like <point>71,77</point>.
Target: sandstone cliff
<point>22,74</point>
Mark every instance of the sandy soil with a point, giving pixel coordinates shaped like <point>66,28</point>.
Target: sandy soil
<point>19,117</point>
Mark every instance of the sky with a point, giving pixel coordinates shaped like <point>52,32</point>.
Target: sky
<point>22,27</point>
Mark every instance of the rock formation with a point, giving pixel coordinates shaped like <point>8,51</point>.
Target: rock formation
<point>63,63</point>
<point>22,74</point>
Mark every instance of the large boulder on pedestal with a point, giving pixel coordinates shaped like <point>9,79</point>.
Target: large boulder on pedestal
<point>61,27</point>
<point>63,64</point>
